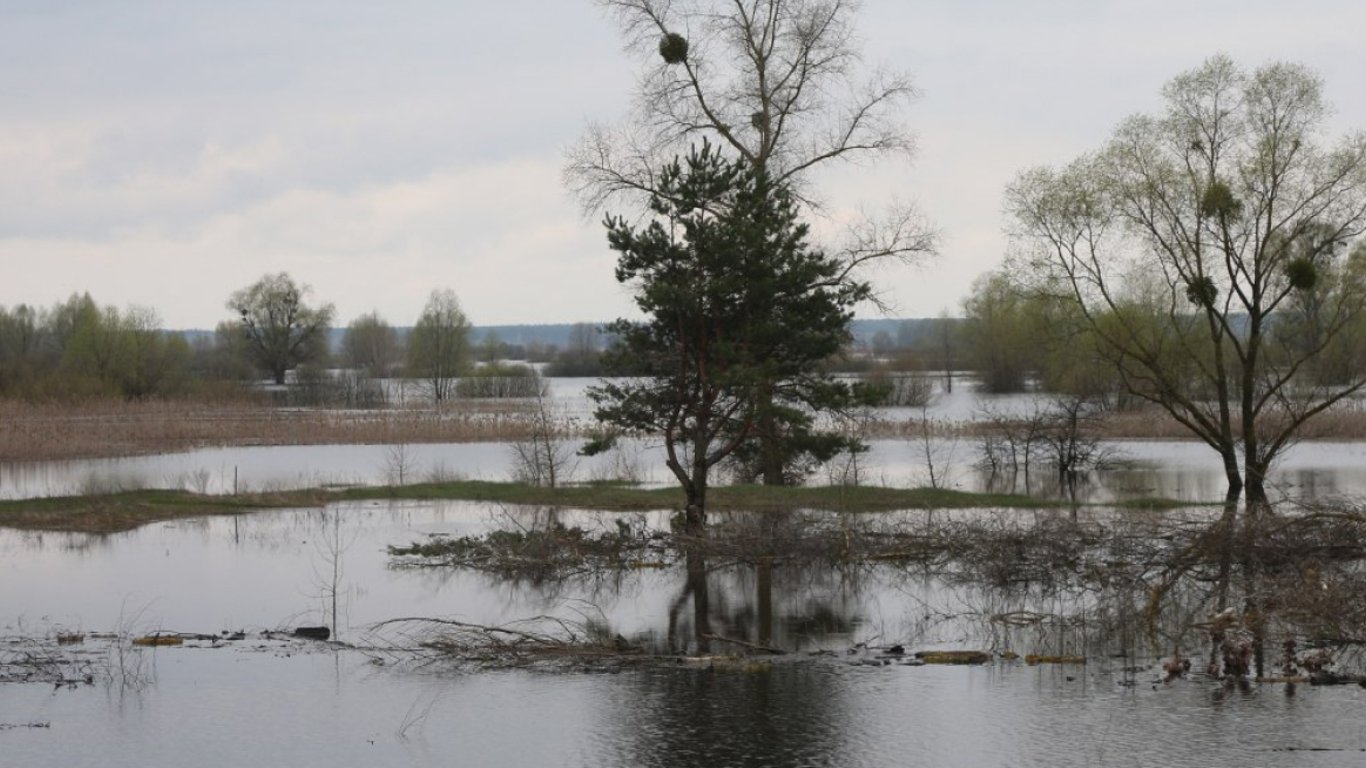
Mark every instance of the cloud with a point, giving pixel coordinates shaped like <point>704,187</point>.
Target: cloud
<point>503,236</point>
<point>167,154</point>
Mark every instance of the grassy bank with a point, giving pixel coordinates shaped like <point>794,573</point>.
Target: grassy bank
<point>129,510</point>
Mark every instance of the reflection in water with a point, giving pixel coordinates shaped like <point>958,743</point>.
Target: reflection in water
<point>719,716</point>
<point>1126,589</point>
<point>1178,469</point>
<point>1211,585</point>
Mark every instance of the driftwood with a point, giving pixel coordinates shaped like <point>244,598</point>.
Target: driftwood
<point>1036,658</point>
<point>1331,678</point>
<point>746,644</point>
<point>533,637</point>
<point>954,657</point>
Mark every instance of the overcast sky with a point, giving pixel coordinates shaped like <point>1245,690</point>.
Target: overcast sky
<point>165,153</point>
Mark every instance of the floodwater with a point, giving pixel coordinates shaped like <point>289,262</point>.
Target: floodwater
<point>256,702</point>
<point>1179,469</point>
<point>828,702</point>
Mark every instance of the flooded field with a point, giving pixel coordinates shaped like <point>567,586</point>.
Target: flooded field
<point>1178,469</point>
<point>838,695</point>
<point>473,633</point>
<point>1175,469</point>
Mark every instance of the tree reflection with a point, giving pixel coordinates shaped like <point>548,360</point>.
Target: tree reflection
<point>1220,588</point>
<point>1202,587</point>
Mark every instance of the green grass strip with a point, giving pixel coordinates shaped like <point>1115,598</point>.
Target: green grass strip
<point>131,509</point>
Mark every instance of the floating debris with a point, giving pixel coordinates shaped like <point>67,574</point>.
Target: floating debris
<point>12,726</point>
<point>954,657</point>
<point>158,639</point>
<point>1037,658</point>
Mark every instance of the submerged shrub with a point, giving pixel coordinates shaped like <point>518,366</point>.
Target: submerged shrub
<point>498,380</point>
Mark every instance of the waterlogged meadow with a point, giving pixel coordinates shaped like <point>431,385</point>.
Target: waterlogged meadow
<point>962,439</point>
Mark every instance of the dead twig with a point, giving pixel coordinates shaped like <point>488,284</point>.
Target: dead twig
<point>746,644</point>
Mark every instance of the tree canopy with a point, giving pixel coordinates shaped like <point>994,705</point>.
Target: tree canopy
<point>1193,235</point>
<point>736,304</point>
<point>439,345</point>
<point>780,86</point>
<point>281,330</point>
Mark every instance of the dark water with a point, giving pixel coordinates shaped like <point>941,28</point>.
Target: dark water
<point>226,709</point>
<point>259,702</point>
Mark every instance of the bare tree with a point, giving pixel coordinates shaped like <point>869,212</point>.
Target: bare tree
<point>439,345</point>
<point>1187,239</point>
<point>780,84</point>
<point>544,457</point>
<point>944,329</point>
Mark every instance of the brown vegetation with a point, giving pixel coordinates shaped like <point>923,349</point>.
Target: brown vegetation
<point>109,428</point>
<point>106,428</point>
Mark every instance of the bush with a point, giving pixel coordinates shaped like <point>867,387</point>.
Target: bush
<point>899,389</point>
<point>498,380</point>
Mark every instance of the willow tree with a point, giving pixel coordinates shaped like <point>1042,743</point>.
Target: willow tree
<point>439,344</point>
<point>1193,234</point>
<point>280,329</point>
<point>780,85</point>
<point>371,345</point>
<point>735,303</point>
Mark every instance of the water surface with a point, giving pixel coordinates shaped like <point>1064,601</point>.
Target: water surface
<point>276,703</point>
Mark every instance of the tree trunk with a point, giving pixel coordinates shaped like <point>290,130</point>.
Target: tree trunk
<point>770,442</point>
<point>695,514</point>
<point>695,518</point>
<point>697,585</point>
<point>1256,485</point>
<point>764,600</point>
<point>1234,475</point>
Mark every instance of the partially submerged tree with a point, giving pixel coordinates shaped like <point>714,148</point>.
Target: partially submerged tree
<point>152,361</point>
<point>84,349</point>
<point>439,345</point>
<point>736,303</point>
<point>998,334</point>
<point>1193,234</point>
<point>778,84</point>
<point>371,345</point>
<point>281,330</point>
<point>582,355</point>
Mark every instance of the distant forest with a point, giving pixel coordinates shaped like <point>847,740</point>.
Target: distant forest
<point>902,332</point>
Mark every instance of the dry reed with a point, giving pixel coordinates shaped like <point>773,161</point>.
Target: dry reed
<point>42,431</point>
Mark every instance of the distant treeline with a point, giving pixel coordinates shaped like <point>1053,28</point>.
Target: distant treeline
<point>900,333</point>
<point>77,348</point>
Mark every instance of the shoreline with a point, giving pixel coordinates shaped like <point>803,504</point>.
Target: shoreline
<point>115,513</point>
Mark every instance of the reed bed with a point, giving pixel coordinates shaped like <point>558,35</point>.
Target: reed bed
<point>40,432</point>
<point>112,428</point>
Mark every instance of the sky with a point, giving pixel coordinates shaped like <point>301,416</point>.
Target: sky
<point>165,153</point>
